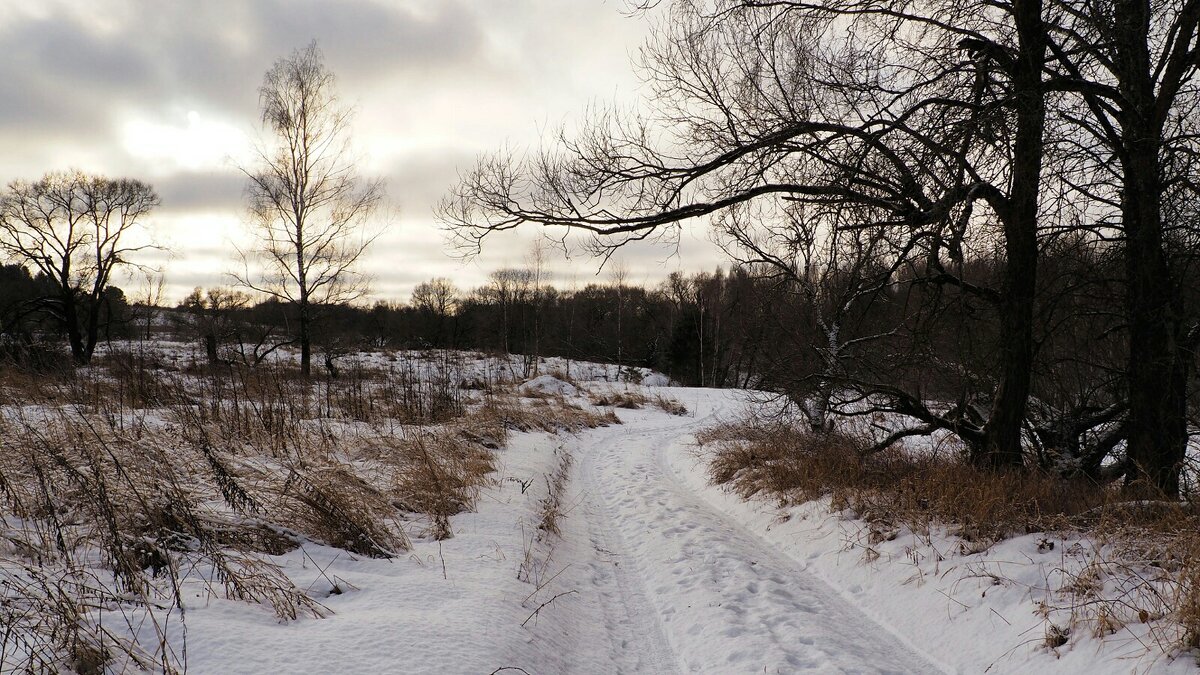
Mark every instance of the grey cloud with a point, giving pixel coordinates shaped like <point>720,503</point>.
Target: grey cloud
<point>366,38</point>
<point>64,52</point>
<point>419,179</point>
<point>183,282</point>
<point>69,83</point>
<point>201,191</point>
<point>62,74</point>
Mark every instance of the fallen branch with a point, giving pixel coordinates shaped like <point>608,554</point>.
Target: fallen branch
<point>541,606</point>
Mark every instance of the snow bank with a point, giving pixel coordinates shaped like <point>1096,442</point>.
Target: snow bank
<point>548,385</point>
<point>967,607</point>
<point>656,380</point>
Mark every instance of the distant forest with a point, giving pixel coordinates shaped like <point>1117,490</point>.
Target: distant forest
<point>744,327</point>
<point>708,329</point>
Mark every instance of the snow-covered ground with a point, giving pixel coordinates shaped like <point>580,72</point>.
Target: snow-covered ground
<point>646,577</point>
<point>656,571</point>
<point>608,551</point>
<point>464,366</point>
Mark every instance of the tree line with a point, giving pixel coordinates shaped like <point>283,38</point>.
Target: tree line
<point>1012,169</point>
<point>747,327</point>
<point>702,329</point>
<point>979,218</point>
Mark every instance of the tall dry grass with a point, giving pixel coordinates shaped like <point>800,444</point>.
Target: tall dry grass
<point>1143,560</point>
<point>123,484</point>
<point>916,490</point>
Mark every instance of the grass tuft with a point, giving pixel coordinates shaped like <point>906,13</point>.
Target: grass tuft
<point>1141,564</point>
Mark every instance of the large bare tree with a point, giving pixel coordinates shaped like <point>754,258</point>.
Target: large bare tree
<point>1130,68</point>
<point>74,228</point>
<point>436,300</point>
<point>211,316</point>
<point>309,207</point>
<point>924,122</point>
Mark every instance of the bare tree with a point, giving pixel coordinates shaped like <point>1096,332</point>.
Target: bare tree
<point>154,289</point>
<point>308,205</point>
<point>436,299</point>
<point>73,228</point>
<point>922,120</point>
<point>618,277</point>
<point>211,314</point>
<point>535,260</point>
<point>508,290</point>
<point>1132,66</point>
<point>834,271</point>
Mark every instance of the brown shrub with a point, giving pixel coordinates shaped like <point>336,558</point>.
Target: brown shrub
<point>549,415</point>
<point>669,405</point>
<point>333,504</point>
<point>1143,565</point>
<point>630,399</point>
<point>129,476</point>
<point>438,472</point>
<point>619,398</point>
<point>894,485</point>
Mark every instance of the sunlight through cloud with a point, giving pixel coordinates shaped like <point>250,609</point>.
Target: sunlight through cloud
<point>189,141</point>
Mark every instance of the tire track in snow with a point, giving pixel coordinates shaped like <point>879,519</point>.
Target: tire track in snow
<point>631,621</point>
<point>726,600</point>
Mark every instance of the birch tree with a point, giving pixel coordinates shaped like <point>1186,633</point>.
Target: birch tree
<point>308,206</point>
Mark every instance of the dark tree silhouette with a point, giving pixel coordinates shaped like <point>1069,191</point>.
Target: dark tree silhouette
<point>75,229</point>
<point>917,126</point>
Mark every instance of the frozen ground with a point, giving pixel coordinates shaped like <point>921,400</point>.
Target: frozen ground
<point>646,577</point>
<point>647,568</point>
<point>655,571</point>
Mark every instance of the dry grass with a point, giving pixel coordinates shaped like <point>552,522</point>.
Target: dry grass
<point>100,522</point>
<point>405,392</point>
<point>124,484</point>
<point>49,625</point>
<point>437,472</point>
<point>630,399</point>
<point>669,405</point>
<point>331,503</point>
<point>502,414</point>
<point>556,485</point>
<point>894,487</point>
<point>1138,573</point>
<point>619,398</point>
<point>1143,566</point>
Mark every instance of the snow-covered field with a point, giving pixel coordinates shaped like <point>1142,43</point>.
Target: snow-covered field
<point>646,576</point>
<point>607,551</point>
<point>657,572</point>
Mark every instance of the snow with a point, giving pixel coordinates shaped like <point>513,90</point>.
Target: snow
<point>967,611</point>
<point>726,600</point>
<point>649,578</point>
<point>656,380</point>
<point>409,614</point>
<point>656,571</point>
<point>549,385</point>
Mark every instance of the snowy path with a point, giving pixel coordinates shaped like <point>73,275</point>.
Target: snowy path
<point>634,633</point>
<point>647,577</point>
<point>684,589</point>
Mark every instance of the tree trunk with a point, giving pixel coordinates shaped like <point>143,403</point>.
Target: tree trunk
<point>74,336</point>
<point>93,329</point>
<point>305,342</point>
<point>1002,433</point>
<point>1158,366</point>
<point>210,348</point>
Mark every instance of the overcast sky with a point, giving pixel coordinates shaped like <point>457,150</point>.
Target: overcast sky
<point>166,91</point>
